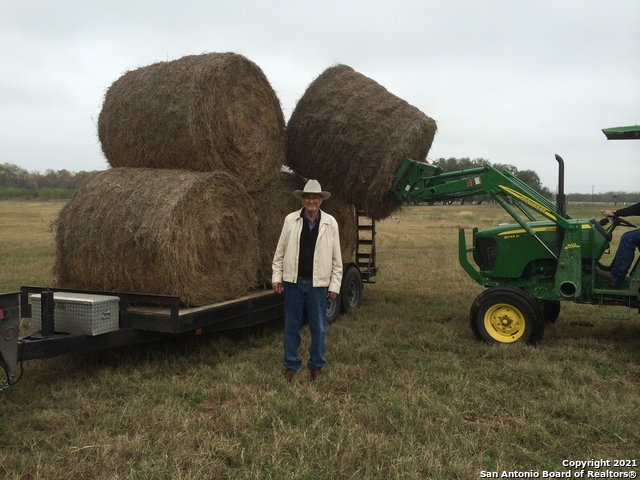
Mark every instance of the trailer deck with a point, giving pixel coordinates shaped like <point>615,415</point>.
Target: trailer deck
<point>143,318</point>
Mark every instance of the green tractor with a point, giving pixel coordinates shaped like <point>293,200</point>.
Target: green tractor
<point>528,267</point>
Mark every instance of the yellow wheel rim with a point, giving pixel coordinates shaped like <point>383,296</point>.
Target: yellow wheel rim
<point>504,323</point>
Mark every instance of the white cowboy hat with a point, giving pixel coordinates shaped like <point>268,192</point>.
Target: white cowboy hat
<point>312,186</point>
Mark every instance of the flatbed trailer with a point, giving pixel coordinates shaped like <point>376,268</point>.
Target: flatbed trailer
<point>144,318</point>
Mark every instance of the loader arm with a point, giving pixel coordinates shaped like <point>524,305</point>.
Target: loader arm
<point>419,181</point>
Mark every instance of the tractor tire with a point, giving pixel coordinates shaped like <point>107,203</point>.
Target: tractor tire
<point>351,290</point>
<point>333,309</point>
<point>506,315</point>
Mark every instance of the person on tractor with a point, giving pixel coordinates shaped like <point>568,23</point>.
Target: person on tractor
<point>629,241</point>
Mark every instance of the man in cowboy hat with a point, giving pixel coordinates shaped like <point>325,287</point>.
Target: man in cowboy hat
<point>307,267</point>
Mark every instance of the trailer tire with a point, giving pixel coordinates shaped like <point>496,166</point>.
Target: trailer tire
<point>351,290</point>
<point>506,315</point>
<point>333,309</point>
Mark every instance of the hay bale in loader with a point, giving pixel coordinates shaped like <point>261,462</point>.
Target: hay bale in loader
<point>158,231</point>
<point>352,134</point>
<point>276,201</point>
<point>211,112</point>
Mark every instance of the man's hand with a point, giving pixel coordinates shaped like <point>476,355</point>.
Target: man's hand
<point>277,287</point>
<point>607,213</point>
<point>332,295</point>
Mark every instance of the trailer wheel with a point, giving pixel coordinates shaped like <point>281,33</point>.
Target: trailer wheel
<point>506,315</point>
<point>333,309</point>
<point>550,310</point>
<point>351,290</point>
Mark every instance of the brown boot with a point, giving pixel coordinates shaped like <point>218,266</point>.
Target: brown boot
<point>288,375</point>
<point>607,276</point>
<point>316,374</point>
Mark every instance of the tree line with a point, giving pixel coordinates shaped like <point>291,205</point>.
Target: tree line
<point>16,182</point>
<point>529,177</point>
<point>532,179</point>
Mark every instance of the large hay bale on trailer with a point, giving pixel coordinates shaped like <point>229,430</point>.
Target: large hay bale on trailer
<point>345,215</point>
<point>158,231</point>
<point>208,112</point>
<point>276,201</point>
<point>273,203</point>
<point>352,134</point>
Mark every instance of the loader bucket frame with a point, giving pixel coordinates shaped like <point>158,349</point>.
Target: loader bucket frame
<point>622,133</point>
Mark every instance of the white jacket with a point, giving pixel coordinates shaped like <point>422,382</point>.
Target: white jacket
<point>327,259</point>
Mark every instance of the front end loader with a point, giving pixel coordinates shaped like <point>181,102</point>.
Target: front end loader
<point>530,266</point>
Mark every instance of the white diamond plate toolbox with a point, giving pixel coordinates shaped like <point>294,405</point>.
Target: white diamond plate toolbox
<point>79,313</point>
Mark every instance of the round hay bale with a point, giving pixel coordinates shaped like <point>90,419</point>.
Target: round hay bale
<point>352,134</point>
<point>208,112</point>
<point>273,203</point>
<point>276,201</point>
<point>345,215</point>
<point>156,231</point>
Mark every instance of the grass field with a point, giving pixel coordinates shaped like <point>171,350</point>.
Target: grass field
<point>409,393</point>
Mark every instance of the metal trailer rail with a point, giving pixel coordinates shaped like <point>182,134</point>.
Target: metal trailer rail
<point>142,319</point>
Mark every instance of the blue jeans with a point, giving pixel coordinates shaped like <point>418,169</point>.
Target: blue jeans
<point>624,255</point>
<point>297,297</point>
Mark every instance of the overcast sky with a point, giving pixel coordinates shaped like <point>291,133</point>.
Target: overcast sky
<point>511,81</point>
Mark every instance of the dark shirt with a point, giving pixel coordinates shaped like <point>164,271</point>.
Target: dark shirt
<point>308,238</point>
<point>630,211</point>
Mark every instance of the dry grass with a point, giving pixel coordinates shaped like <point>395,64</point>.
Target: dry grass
<point>408,394</point>
<point>27,245</point>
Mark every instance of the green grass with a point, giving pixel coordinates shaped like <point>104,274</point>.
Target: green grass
<point>409,393</point>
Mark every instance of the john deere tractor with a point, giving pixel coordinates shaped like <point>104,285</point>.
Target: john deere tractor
<point>528,267</point>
